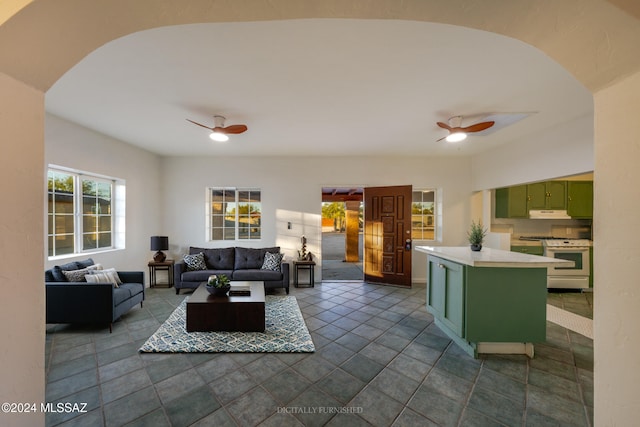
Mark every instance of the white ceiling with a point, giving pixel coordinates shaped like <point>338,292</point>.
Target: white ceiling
<point>315,87</point>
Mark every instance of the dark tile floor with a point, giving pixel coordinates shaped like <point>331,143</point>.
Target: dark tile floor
<point>379,361</point>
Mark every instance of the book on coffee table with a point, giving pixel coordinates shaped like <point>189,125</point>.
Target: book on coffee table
<point>240,291</point>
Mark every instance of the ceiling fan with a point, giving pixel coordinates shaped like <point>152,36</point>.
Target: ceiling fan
<point>457,132</point>
<point>219,132</point>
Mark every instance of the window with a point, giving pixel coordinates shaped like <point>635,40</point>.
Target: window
<point>423,215</point>
<point>80,212</point>
<point>234,214</point>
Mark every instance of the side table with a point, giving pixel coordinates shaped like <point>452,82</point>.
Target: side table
<point>166,265</point>
<point>303,265</point>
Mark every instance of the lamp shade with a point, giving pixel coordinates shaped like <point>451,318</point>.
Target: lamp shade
<point>159,243</point>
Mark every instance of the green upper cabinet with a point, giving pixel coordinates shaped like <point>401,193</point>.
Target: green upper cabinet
<point>580,199</point>
<point>547,195</point>
<point>511,202</point>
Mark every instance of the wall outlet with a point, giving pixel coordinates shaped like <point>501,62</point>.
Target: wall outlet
<point>569,231</point>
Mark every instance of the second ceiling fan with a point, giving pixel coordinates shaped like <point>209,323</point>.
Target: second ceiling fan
<point>457,132</point>
<point>219,132</point>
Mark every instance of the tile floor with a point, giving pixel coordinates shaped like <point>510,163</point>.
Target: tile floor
<point>379,361</point>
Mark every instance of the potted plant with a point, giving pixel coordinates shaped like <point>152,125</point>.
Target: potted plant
<point>218,285</point>
<point>476,235</point>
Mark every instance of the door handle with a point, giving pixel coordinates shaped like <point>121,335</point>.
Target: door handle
<point>407,245</point>
<point>441,265</point>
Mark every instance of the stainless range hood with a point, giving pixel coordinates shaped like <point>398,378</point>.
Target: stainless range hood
<point>549,214</point>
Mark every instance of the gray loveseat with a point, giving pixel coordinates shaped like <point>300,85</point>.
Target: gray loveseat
<point>82,302</point>
<point>236,263</point>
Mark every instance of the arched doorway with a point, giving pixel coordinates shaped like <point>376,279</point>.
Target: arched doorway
<point>594,40</point>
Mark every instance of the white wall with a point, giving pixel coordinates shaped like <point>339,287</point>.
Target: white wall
<point>617,296</point>
<point>556,152</point>
<point>22,315</point>
<point>70,145</point>
<point>291,191</point>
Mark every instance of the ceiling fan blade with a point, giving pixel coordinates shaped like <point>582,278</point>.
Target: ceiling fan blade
<point>196,123</point>
<point>444,125</point>
<point>235,129</point>
<point>478,127</point>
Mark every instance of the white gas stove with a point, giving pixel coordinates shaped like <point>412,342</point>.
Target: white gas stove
<point>576,250</point>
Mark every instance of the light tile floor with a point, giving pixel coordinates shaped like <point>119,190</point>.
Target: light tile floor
<point>379,361</point>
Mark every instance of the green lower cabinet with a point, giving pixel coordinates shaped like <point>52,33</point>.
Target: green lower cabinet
<point>446,296</point>
<point>506,304</point>
<point>487,304</point>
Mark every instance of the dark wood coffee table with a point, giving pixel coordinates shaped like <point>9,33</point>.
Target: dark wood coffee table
<point>206,312</point>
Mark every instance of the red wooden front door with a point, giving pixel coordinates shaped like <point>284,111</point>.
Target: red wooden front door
<point>387,235</point>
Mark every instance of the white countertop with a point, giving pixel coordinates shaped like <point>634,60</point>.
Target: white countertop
<point>489,257</point>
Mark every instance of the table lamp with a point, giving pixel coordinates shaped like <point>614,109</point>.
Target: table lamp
<point>159,244</point>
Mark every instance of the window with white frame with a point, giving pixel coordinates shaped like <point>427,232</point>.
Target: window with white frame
<point>423,214</point>
<point>234,213</point>
<point>80,212</point>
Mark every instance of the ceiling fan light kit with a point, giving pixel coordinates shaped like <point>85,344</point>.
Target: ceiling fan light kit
<point>456,137</point>
<point>219,137</point>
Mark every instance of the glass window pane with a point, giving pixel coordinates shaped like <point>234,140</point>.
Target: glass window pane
<point>104,223</point>
<point>217,208</point>
<point>229,234</point>
<point>216,195</point>
<point>243,196</point>
<point>217,221</point>
<point>243,231</point>
<point>230,210</point>
<point>104,190</point>
<point>89,223</point>
<point>50,246</point>
<point>63,203</point>
<point>104,207</point>
<point>89,241</point>
<point>64,244</point>
<point>217,233</point>
<point>104,240</point>
<point>89,205</point>
<point>63,224</point>
<point>89,188</point>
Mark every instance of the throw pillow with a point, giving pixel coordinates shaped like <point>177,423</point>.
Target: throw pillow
<point>102,277</point>
<point>272,261</point>
<point>110,272</point>
<point>86,263</point>
<point>76,275</point>
<point>195,262</point>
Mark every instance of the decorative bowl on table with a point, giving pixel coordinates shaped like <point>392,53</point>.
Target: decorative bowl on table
<point>218,292</point>
<point>218,285</point>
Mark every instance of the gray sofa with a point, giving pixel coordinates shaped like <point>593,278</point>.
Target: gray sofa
<point>82,302</point>
<point>236,263</point>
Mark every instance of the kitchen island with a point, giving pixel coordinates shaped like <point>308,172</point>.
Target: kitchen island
<point>491,301</point>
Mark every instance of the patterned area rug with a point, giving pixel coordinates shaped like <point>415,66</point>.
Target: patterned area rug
<point>285,332</point>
